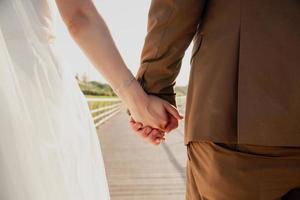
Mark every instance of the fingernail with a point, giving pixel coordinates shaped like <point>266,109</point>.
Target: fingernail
<point>148,130</point>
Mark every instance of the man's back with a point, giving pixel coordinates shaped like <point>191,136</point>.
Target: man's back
<point>243,106</point>
<point>245,77</point>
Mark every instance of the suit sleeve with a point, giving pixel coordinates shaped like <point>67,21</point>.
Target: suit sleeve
<point>172,25</point>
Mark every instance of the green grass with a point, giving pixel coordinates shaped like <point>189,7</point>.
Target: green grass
<point>94,88</point>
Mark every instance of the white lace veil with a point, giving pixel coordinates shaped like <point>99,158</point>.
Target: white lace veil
<point>46,133</point>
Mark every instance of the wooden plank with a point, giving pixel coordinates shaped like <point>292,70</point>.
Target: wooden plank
<point>140,171</point>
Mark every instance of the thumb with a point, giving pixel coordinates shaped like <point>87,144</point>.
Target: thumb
<point>173,124</point>
<point>173,111</point>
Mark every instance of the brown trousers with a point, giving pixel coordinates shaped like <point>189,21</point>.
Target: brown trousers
<point>241,172</point>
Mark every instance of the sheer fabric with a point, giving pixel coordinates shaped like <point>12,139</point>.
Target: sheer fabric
<point>48,144</point>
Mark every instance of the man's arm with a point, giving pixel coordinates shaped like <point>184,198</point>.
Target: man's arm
<point>171,27</point>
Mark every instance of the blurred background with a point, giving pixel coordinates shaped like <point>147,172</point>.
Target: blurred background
<point>135,170</point>
<point>127,21</point>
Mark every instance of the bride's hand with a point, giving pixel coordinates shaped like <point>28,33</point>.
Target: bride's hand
<point>146,109</point>
<point>154,112</point>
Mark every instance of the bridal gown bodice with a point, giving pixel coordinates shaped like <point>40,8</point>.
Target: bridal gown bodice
<point>49,148</point>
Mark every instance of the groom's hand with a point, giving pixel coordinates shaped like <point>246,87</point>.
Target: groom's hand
<point>151,135</point>
<point>148,134</point>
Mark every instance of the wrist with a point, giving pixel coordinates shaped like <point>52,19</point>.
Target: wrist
<point>133,94</point>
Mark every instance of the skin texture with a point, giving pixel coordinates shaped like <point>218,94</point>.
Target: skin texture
<point>90,32</point>
<point>152,135</point>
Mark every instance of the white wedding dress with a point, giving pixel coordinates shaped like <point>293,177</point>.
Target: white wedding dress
<point>49,148</point>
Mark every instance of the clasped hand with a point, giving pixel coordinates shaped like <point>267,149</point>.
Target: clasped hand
<point>153,118</point>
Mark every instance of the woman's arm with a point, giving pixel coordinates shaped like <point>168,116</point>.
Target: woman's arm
<point>90,32</point>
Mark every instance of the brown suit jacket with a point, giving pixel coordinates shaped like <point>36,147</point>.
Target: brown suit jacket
<point>245,78</point>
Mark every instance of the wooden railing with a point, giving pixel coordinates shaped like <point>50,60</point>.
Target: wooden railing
<point>102,109</point>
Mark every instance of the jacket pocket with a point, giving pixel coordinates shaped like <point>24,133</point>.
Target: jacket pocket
<point>197,44</point>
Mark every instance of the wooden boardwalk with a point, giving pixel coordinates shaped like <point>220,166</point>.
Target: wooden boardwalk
<point>139,171</point>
